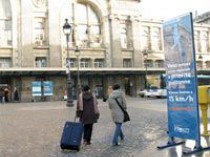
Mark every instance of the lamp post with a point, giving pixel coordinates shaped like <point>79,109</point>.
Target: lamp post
<point>67,32</point>
<point>77,53</point>
<point>145,64</point>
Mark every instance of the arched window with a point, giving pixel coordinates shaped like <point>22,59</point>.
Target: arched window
<point>156,38</point>
<point>145,37</point>
<point>5,23</point>
<point>86,24</point>
<point>197,40</point>
<point>39,34</point>
<point>205,41</point>
<point>123,33</point>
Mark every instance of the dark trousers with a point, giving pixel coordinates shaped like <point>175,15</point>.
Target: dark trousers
<point>87,132</point>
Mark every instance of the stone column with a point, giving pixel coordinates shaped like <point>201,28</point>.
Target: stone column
<point>137,54</point>
<point>27,56</point>
<point>106,38</point>
<point>116,55</point>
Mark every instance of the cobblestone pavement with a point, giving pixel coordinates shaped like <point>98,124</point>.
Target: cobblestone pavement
<point>34,130</point>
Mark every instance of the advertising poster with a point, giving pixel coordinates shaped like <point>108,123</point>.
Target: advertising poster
<point>181,78</point>
<point>36,88</point>
<point>44,88</point>
<point>48,88</point>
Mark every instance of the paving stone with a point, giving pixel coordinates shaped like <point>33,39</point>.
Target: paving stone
<point>34,130</point>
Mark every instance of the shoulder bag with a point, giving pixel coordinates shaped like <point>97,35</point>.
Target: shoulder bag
<point>126,115</point>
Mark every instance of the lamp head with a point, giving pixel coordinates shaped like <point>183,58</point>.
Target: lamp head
<point>67,28</point>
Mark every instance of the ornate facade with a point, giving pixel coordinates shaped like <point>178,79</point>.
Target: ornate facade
<point>110,34</point>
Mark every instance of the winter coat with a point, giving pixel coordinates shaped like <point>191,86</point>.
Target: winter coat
<point>16,95</point>
<point>116,112</point>
<point>88,106</point>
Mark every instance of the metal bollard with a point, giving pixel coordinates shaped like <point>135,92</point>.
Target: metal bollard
<point>204,115</point>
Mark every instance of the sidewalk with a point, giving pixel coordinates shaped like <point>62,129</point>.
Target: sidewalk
<point>34,130</point>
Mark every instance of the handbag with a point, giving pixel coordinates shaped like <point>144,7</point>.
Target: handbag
<point>125,113</point>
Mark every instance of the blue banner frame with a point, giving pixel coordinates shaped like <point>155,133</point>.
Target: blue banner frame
<point>44,88</point>
<point>36,88</point>
<point>48,88</point>
<point>181,78</point>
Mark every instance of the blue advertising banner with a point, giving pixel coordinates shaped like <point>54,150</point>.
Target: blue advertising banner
<point>44,88</point>
<point>48,88</point>
<point>36,88</point>
<point>181,78</point>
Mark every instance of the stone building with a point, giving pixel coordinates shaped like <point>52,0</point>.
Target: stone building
<point>111,37</point>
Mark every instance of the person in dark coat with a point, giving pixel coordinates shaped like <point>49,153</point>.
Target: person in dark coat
<point>89,112</point>
<point>6,94</point>
<point>1,95</point>
<point>16,95</point>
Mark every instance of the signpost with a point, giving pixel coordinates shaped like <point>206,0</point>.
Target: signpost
<point>181,82</point>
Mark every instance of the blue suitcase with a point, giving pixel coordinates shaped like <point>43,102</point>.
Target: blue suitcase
<point>72,136</point>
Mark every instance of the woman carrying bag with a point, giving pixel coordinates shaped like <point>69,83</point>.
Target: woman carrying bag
<point>87,110</point>
<point>117,100</point>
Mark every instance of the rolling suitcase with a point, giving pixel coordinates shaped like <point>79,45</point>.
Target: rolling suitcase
<point>72,136</point>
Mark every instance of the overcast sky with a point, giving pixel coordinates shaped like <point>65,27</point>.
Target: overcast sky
<point>166,9</point>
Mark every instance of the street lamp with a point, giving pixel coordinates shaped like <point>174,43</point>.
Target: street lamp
<point>145,64</point>
<point>77,53</point>
<point>67,32</point>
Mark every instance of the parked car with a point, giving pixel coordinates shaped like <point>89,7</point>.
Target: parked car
<point>153,91</point>
<point>160,93</point>
<point>141,92</point>
<point>65,97</point>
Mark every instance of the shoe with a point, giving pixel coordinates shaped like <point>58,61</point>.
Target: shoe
<point>84,141</point>
<point>116,144</point>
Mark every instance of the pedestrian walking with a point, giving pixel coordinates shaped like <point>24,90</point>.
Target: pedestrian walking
<point>89,112</point>
<point>1,95</point>
<point>116,112</point>
<point>16,95</point>
<point>6,94</point>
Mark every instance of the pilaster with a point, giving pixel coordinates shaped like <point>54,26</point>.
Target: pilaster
<point>116,54</point>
